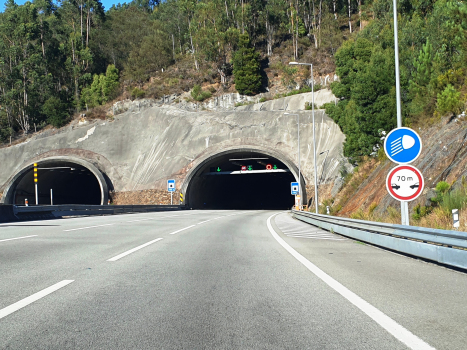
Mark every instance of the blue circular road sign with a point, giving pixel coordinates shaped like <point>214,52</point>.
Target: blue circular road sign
<point>402,145</point>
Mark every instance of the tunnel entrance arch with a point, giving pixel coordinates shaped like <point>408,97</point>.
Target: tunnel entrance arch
<point>218,181</point>
<point>72,180</point>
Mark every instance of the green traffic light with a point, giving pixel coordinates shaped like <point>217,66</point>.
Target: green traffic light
<point>274,167</point>
<point>218,169</point>
<point>250,167</point>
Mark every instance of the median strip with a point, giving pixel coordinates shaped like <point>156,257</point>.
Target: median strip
<point>26,301</point>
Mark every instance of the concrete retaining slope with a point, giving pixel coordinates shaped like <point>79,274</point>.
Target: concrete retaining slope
<point>138,151</point>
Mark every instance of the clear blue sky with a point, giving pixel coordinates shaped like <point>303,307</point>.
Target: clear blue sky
<point>107,3</point>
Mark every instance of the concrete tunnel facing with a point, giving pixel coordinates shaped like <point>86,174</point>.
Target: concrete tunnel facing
<point>71,182</point>
<point>241,180</point>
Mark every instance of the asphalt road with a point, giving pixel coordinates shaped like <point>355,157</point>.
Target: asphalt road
<point>217,280</point>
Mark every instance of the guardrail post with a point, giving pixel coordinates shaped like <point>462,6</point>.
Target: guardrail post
<point>455,218</point>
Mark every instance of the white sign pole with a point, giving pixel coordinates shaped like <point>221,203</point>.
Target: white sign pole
<point>404,205</point>
<point>171,198</point>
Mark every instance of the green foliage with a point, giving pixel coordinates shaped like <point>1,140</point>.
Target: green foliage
<point>55,111</point>
<point>448,101</point>
<point>456,199</point>
<point>102,89</point>
<point>137,93</point>
<point>449,199</point>
<point>246,67</point>
<point>198,94</point>
<point>420,211</point>
<point>367,83</point>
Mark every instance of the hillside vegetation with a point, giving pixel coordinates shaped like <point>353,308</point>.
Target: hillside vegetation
<point>57,59</point>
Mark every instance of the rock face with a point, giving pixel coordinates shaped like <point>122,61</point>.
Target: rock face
<point>141,150</point>
<point>443,158</point>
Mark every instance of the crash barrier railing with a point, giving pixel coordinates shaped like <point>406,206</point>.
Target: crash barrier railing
<point>28,212</point>
<point>443,246</point>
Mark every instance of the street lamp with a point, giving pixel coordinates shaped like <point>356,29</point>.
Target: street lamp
<point>314,138</point>
<point>298,138</point>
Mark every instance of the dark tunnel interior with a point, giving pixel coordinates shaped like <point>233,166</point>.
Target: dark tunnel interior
<point>70,183</point>
<point>264,183</point>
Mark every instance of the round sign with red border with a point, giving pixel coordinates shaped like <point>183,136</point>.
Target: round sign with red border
<point>405,183</point>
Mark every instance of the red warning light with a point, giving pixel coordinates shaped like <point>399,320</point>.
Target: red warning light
<point>269,167</point>
<point>243,167</point>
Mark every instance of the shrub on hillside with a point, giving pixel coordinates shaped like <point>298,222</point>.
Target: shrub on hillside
<point>198,94</point>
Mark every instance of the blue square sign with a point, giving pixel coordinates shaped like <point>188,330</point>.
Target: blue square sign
<point>171,185</point>
<point>294,187</point>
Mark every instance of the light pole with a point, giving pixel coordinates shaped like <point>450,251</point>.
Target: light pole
<point>314,138</point>
<point>404,205</point>
<point>298,141</point>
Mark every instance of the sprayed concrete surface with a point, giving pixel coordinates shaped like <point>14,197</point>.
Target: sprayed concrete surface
<point>141,150</point>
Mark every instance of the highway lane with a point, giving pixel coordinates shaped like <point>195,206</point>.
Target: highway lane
<point>225,283</point>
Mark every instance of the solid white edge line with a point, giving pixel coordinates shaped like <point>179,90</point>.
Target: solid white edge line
<point>11,239</point>
<point>30,299</point>
<point>119,256</point>
<point>391,326</point>
<point>84,228</point>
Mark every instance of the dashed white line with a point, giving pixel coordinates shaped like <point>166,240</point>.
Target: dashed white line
<point>183,229</point>
<point>26,301</point>
<point>119,256</point>
<point>11,239</point>
<point>391,326</point>
<point>84,228</point>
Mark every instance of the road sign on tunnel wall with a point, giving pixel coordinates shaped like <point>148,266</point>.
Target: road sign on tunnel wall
<point>294,187</point>
<point>171,185</point>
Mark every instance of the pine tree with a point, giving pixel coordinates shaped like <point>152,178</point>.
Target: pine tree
<point>246,67</point>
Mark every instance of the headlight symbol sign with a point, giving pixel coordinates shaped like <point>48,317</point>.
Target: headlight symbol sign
<point>402,145</point>
<point>405,183</point>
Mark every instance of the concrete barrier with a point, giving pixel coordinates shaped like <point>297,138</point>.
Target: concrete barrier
<point>7,214</point>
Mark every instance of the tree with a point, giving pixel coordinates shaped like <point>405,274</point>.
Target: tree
<point>55,111</point>
<point>154,53</point>
<point>246,67</point>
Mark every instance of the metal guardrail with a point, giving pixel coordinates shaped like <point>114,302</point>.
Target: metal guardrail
<point>443,246</point>
<point>81,209</point>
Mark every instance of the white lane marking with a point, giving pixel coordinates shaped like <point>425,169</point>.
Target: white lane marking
<point>296,229</point>
<point>202,222</point>
<point>115,258</point>
<point>11,239</point>
<point>162,217</point>
<point>323,238</point>
<point>398,331</point>
<point>306,231</point>
<point>183,229</point>
<point>84,228</point>
<point>26,301</point>
<point>119,256</point>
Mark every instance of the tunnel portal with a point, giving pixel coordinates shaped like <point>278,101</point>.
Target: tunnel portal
<point>71,183</point>
<point>241,180</point>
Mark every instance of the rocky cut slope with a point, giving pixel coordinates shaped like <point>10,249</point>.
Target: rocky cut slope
<point>443,158</point>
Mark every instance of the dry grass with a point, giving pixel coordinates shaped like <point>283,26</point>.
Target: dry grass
<point>437,219</point>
